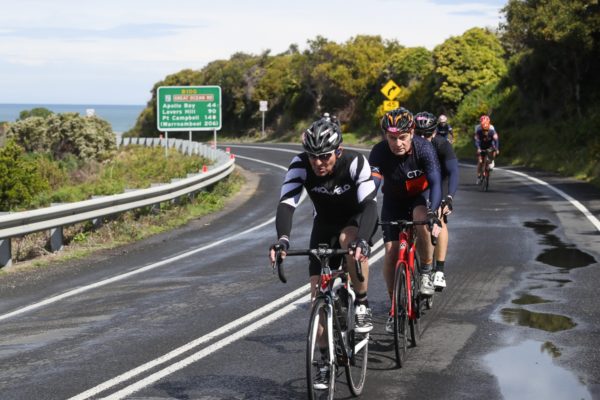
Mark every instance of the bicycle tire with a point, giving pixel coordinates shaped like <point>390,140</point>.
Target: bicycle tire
<point>313,354</point>
<point>400,299</point>
<point>415,326</point>
<point>486,182</point>
<point>356,368</point>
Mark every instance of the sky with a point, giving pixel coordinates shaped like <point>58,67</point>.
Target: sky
<point>114,51</point>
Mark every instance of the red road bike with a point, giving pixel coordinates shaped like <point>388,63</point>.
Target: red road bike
<point>407,302</point>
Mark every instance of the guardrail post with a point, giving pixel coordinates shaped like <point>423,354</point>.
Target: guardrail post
<point>5,253</point>
<point>56,239</point>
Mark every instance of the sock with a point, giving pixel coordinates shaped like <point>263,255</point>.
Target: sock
<point>426,268</point>
<point>361,298</point>
<point>440,265</point>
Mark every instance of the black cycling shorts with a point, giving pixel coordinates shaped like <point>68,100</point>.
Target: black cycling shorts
<point>393,210</point>
<point>328,232</point>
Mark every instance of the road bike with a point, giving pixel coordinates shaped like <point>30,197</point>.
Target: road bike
<point>484,181</point>
<point>407,301</point>
<point>332,320</point>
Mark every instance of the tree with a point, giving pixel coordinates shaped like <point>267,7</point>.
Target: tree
<point>465,63</point>
<point>19,178</point>
<point>35,112</point>
<point>555,53</point>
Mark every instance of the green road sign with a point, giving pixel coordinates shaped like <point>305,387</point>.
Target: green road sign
<point>188,108</point>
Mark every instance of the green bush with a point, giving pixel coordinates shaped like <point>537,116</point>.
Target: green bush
<point>61,135</point>
<point>20,180</point>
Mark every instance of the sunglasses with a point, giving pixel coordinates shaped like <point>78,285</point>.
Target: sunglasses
<point>321,157</point>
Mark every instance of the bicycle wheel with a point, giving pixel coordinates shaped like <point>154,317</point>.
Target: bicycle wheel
<point>486,181</point>
<point>400,299</point>
<point>356,368</point>
<point>415,326</point>
<point>314,359</point>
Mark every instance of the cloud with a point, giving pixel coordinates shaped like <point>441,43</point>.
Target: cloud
<point>131,31</point>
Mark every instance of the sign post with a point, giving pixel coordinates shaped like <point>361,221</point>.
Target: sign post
<point>263,106</point>
<point>188,108</point>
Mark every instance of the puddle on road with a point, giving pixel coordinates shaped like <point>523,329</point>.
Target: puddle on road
<point>560,255</point>
<point>530,299</point>
<point>526,371</point>
<point>542,321</point>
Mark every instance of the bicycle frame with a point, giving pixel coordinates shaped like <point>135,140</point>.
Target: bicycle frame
<point>406,260</point>
<point>342,348</point>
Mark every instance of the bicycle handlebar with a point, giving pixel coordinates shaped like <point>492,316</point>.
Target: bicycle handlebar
<point>403,224</point>
<point>318,253</point>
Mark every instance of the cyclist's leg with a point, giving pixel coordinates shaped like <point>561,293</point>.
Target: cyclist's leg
<point>424,246</point>
<point>347,235</point>
<point>440,251</point>
<point>392,211</point>
<point>479,165</point>
<point>321,233</point>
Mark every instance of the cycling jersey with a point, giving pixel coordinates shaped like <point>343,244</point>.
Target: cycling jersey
<point>485,140</point>
<point>409,175</point>
<point>448,162</point>
<point>444,130</point>
<point>348,194</point>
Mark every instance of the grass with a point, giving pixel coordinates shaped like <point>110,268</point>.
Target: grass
<point>83,239</point>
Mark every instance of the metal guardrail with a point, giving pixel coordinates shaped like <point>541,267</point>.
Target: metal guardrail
<point>55,217</point>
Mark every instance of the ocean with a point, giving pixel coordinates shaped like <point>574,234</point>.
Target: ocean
<point>121,117</point>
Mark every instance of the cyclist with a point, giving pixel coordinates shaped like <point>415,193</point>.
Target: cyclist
<point>425,126</point>
<point>443,129</point>
<point>411,189</point>
<point>486,139</point>
<point>343,193</point>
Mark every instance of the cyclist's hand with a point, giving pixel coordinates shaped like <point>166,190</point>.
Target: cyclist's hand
<point>447,209</point>
<point>434,224</point>
<point>360,249</point>
<point>479,151</point>
<point>278,249</point>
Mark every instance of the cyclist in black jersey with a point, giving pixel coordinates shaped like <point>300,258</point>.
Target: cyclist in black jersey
<point>444,129</point>
<point>410,170</point>
<point>343,193</point>
<point>425,126</point>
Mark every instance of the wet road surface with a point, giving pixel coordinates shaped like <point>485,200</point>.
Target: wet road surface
<point>201,316</point>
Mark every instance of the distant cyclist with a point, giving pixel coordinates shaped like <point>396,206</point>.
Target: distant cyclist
<point>343,193</point>
<point>425,126</point>
<point>486,140</point>
<point>410,170</point>
<point>443,129</point>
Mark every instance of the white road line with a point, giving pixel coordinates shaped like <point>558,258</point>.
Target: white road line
<point>150,267</point>
<point>201,340</point>
<point>575,203</point>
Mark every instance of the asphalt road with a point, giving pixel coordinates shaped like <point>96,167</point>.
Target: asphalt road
<point>197,313</point>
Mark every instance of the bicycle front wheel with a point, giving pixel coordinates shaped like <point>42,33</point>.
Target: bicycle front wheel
<point>356,368</point>
<point>415,327</point>
<point>400,299</point>
<point>317,359</point>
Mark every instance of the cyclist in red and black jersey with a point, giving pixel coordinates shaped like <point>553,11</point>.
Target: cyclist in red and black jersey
<point>409,167</point>
<point>343,193</point>
<point>486,139</point>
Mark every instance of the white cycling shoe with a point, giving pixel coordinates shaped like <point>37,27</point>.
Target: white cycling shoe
<point>427,288</point>
<point>439,281</point>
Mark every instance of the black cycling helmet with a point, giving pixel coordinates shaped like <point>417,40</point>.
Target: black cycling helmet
<point>323,136</point>
<point>398,120</point>
<point>425,123</point>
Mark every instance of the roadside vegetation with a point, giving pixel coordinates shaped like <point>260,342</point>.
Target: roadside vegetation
<point>60,158</point>
<point>535,75</point>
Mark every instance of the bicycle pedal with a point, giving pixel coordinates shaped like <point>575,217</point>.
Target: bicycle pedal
<point>439,289</point>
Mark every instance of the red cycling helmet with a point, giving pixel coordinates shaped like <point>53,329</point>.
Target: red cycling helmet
<point>485,122</point>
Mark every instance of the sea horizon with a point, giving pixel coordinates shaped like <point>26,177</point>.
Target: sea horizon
<point>122,117</point>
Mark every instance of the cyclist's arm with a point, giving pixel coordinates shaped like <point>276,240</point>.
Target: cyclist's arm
<point>366,194</point>
<point>291,191</point>
<point>448,158</point>
<point>477,141</point>
<point>375,163</point>
<point>429,159</point>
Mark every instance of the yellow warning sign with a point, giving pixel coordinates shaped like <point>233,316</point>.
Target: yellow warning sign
<point>390,90</point>
<point>389,105</point>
